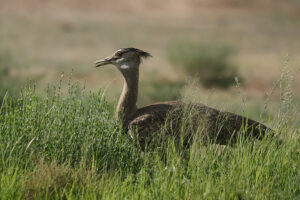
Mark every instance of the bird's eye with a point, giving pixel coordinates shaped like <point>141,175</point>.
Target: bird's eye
<point>117,55</point>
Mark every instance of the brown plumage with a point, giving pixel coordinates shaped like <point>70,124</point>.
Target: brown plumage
<point>175,117</point>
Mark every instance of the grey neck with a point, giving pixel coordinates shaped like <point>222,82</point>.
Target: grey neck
<point>127,102</point>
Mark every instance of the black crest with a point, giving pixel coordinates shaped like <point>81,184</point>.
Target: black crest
<point>141,53</point>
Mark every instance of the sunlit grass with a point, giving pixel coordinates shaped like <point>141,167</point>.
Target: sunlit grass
<point>69,146</point>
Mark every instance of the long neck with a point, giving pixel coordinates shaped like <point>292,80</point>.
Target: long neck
<point>127,103</point>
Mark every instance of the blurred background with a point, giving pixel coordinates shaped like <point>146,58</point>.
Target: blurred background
<point>229,54</point>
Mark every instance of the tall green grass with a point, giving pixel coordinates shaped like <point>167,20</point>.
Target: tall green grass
<point>70,147</point>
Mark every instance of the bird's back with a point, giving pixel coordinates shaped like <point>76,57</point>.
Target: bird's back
<point>188,120</point>
<point>150,119</point>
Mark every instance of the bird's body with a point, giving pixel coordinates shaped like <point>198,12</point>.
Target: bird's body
<point>183,120</point>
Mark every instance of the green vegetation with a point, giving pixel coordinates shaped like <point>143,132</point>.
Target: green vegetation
<point>210,63</point>
<point>6,82</point>
<point>9,84</point>
<point>160,90</point>
<point>70,147</point>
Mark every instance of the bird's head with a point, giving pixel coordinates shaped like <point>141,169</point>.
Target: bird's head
<point>124,58</point>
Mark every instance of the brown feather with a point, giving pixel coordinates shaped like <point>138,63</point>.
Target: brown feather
<point>209,123</point>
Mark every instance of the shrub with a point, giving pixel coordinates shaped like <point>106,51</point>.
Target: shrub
<point>163,90</point>
<point>6,81</point>
<point>210,63</point>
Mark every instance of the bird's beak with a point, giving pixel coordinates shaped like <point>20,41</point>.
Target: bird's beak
<point>104,61</point>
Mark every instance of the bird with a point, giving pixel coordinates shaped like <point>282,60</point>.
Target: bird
<point>186,121</point>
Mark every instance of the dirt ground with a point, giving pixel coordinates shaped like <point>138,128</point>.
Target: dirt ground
<point>46,38</point>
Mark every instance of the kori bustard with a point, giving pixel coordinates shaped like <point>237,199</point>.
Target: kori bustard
<point>218,126</point>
